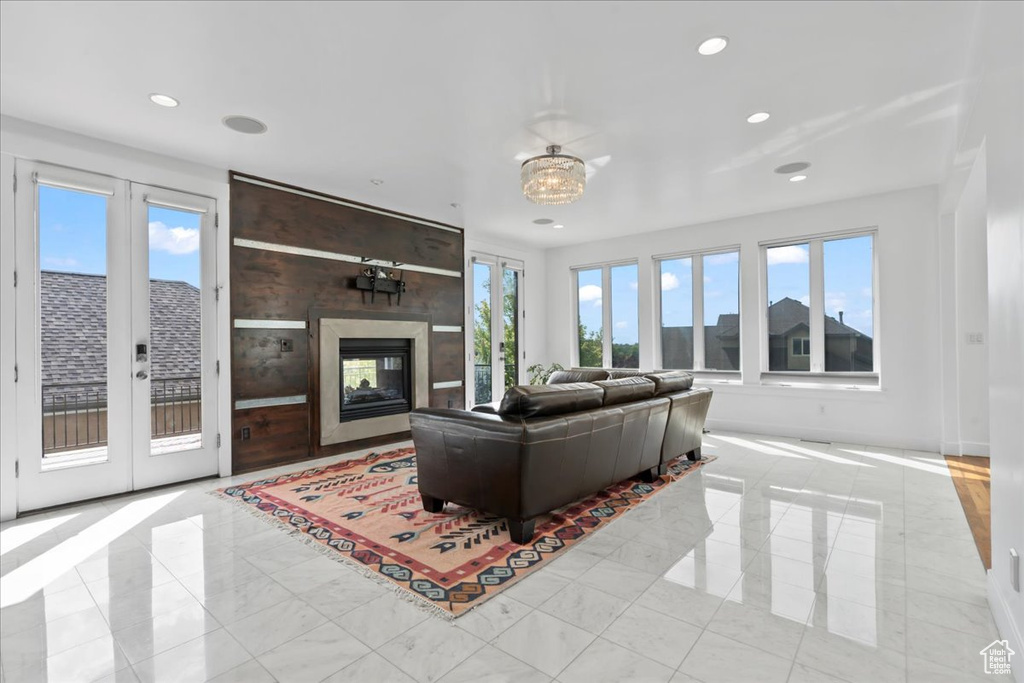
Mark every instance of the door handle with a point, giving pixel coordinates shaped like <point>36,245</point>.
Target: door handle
<point>141,374</point>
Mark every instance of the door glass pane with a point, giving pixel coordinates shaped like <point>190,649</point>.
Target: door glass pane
<point>789,313</point>
<point>849,308</point>
<point>482,333</point>
<point>73,325</point>
<point>175,330</point>
<point>722,311</point>
<point>590,320</point>
<point>625,337</point>
<point>677,314</point>
<point>510,321</point>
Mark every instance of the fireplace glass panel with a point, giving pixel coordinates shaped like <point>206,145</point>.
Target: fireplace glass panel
<point>375,378</point>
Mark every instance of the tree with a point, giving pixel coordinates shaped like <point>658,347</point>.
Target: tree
<point>591,347</point>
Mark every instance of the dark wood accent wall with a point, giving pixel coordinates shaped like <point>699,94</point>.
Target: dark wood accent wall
<point>272,285</point>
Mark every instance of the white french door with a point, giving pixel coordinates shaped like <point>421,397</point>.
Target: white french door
<point>495,327</point>
<point>115,336</point>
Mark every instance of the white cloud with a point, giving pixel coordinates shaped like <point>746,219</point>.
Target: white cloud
<point>590,293</point>
<point>790,254</point>
<point>60,262</point>
<point>669,282</point>
<point>175,241</point>
<point>722,259</point>
<point>707,279</point>
<point>633,286</point>
<point>621,325</point>
<point>806,300</point>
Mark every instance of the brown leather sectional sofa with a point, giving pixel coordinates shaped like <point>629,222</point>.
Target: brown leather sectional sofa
<point>546,446</point>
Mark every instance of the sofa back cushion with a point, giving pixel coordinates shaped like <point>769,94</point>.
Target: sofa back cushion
<point>550,399</point>
<point>619,374</point>
<point>668,382</point>
<point>577,375</point>
<point>626,389</point>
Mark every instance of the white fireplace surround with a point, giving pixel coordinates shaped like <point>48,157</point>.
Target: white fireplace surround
<point>332,330</point>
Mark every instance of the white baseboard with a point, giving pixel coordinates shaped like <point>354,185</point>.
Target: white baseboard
<point>865,437</point>
<point>965,448</point>
<point>1007,624</point>
<point>974,448</point>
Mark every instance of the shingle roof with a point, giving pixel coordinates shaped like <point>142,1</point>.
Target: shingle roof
<point>73,324</point>
<point>786,314</point>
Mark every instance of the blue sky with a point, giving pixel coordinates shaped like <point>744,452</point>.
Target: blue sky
<point>72,236</point>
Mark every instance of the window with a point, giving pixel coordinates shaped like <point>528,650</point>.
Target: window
<point>606,299</point>
<point>820,305</point>
<point>699,313</point>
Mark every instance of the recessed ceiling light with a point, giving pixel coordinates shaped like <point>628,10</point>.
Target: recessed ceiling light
<point>376,181</point>
<point>557,226</point>
<point>245,124</point>
<point>797,178</point>
<point>712,46</point>
<point>759,117</point>
<point>543,221</point>
<point>794,167</point>
<point>163,100</point>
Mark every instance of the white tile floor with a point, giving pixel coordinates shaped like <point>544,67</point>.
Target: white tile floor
<point>781,561</point>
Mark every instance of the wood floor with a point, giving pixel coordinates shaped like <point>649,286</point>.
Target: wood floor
<point>971,478</point>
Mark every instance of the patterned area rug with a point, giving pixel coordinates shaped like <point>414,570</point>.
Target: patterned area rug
<point>368,512</point>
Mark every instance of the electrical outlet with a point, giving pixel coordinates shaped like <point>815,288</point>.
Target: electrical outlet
<point>975,337</point>
<point>246,434</point>
<point>821,409</point>
<point>287,345</point>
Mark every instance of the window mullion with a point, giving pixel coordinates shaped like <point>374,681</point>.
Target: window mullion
<point>697,268</point>
<point>606,316</point>
<point>817,312</point>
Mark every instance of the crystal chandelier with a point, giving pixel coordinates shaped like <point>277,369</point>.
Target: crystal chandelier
<point>553,178</point>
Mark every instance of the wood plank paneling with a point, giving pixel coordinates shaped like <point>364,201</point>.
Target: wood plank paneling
<point>262,213</point>
<point>279,434</point>
<point>285,286</point>
<point>271,285</point>
<point>446,356</point>
<point>260,368</point>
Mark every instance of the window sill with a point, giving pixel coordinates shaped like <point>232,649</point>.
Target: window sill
<point>847,381</point>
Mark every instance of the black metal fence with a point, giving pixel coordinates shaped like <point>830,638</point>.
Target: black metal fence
<point>484,390</point>
<point>75,414</point>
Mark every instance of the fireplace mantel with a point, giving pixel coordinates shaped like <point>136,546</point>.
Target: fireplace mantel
<point>332,330</point>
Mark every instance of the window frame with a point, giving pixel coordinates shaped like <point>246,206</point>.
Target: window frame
<point>697,291</point>
<point>606,308</point>
<point>816,289</point>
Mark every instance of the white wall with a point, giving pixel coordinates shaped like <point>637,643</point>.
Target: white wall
<point>991,132</point>
<point>24,140</point>
<point>971,278</point>
<point>533,286</point>
<point>904,412</point>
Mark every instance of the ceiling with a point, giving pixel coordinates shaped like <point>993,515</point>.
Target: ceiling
<point>443,100</point>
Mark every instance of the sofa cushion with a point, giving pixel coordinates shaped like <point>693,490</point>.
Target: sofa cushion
<point>670,381</point>
<point>550,399</point>
<point>489,408</point>
<point>626,389</point>
<point>577,375</point>
<point>619,374</point>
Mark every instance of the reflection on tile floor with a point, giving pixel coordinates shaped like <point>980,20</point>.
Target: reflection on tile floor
<point>783,560</point>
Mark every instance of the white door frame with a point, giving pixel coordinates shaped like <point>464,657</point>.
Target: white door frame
<point>156,469</point>
<point>129,464</point>
<point>43,488</point>
<point>498,266</point>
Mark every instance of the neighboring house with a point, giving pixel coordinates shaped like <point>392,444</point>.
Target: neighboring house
<point>846,349</point>
<point>789,348</point>
<point>73,339</point>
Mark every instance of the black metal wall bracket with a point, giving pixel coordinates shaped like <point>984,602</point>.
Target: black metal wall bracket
<point>375,279</point>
